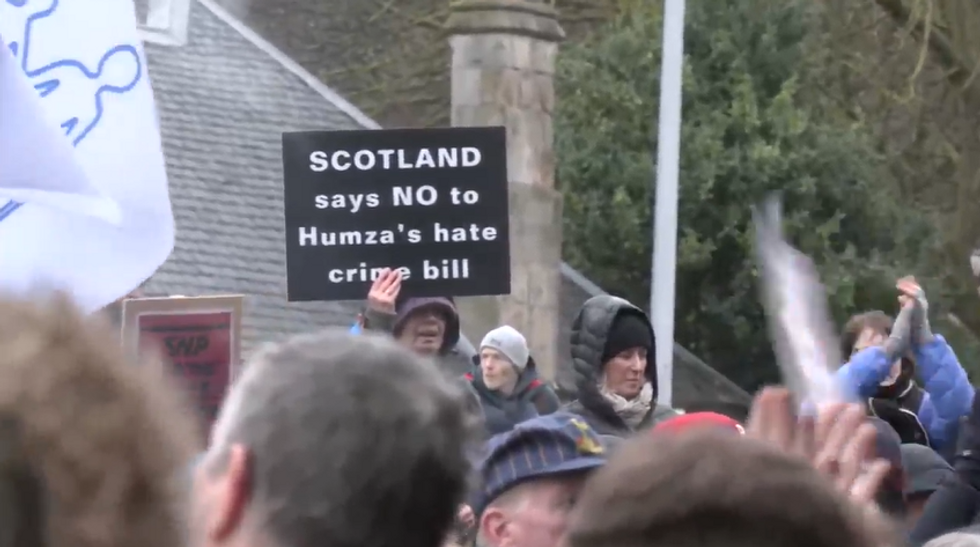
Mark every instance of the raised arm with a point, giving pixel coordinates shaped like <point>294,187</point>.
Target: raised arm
<point>379,314</point>
<point>867,368</point>
<point>943,378</point>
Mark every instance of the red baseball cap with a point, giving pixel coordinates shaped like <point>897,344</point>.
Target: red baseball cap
<point>686,422</point>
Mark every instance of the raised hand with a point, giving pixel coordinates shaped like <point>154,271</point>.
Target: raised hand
<point>839,443</point>
<point>384,291</point>
<point>846,452</point>
<point>913,294</point>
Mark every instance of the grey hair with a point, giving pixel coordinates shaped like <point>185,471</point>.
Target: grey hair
<point>354,441</point>
<point>955,539</point>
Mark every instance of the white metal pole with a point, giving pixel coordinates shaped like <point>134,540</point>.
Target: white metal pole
<point>665,216</point>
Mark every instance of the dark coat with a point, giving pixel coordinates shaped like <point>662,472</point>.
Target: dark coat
<point>501,412</point>
<point>590,329</point>
<point>900,410</point>
<point>957,502</point>
<point>449,360</point>
<point>531,397</point>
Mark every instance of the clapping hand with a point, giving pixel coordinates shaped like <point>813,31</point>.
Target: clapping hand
<point>913,295</point>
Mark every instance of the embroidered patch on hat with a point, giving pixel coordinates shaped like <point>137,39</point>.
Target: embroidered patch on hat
<point>585,443</point>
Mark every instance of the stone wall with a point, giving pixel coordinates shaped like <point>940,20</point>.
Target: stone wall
<point>503,60</point>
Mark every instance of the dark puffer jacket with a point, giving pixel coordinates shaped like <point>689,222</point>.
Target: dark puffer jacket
<point>590,329</point>
<point>532,397</point>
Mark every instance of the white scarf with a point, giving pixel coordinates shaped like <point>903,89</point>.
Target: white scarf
<point>631,411</point>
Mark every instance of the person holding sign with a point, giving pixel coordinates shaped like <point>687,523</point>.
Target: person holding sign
<point>426,326</point>
<point>885,358</point>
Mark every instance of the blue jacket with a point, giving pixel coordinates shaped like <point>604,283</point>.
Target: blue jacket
<point>948,394</point>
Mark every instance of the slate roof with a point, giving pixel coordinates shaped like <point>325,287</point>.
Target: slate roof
<point>223,101</point>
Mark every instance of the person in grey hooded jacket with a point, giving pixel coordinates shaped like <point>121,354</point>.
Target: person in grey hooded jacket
<point>507,382</point>
<point>613,347</point>
<point>427,326</point>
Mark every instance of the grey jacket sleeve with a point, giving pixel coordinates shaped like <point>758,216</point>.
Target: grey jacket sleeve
<point>921,330</point>
<point>379,321</point>
<point>900,340</point>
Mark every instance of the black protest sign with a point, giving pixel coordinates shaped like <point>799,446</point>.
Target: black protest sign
<point>430,202</point>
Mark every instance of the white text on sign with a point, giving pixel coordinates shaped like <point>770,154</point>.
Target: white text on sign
<point>454,268</point>
<point>366,160</point>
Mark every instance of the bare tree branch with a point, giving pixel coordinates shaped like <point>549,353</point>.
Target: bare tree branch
<point>958,68</point>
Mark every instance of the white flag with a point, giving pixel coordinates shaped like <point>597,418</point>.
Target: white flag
<point>39,164</point>
<point>799,319</point>
<point>84,205</point>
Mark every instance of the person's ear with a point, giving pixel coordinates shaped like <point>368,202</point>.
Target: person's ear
<point>494,527</point>
<point>233,490</point>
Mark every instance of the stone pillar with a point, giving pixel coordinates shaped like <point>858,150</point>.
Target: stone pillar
<point>503,61</point>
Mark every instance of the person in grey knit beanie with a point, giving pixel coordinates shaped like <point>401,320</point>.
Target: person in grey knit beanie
<point>507,381</point>
<point>509,343</point>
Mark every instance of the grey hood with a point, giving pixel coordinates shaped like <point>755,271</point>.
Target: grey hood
<point>590,330</point>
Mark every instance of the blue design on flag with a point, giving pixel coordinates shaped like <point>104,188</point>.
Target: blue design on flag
<point>47,79</point>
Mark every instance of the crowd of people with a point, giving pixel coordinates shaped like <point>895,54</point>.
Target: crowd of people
<point>390,437</point>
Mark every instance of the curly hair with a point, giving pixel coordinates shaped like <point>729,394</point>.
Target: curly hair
<point>875,320</point>
<point>91,445</point>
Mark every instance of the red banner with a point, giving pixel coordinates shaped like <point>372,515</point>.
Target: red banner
<point>200,347</point>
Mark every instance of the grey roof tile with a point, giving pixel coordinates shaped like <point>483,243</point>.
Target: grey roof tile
<point>223,104</point>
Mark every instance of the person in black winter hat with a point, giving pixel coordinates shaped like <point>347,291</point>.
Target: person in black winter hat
<point>612,347</point>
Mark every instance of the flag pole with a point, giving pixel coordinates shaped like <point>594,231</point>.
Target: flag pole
<point>664,259</point>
